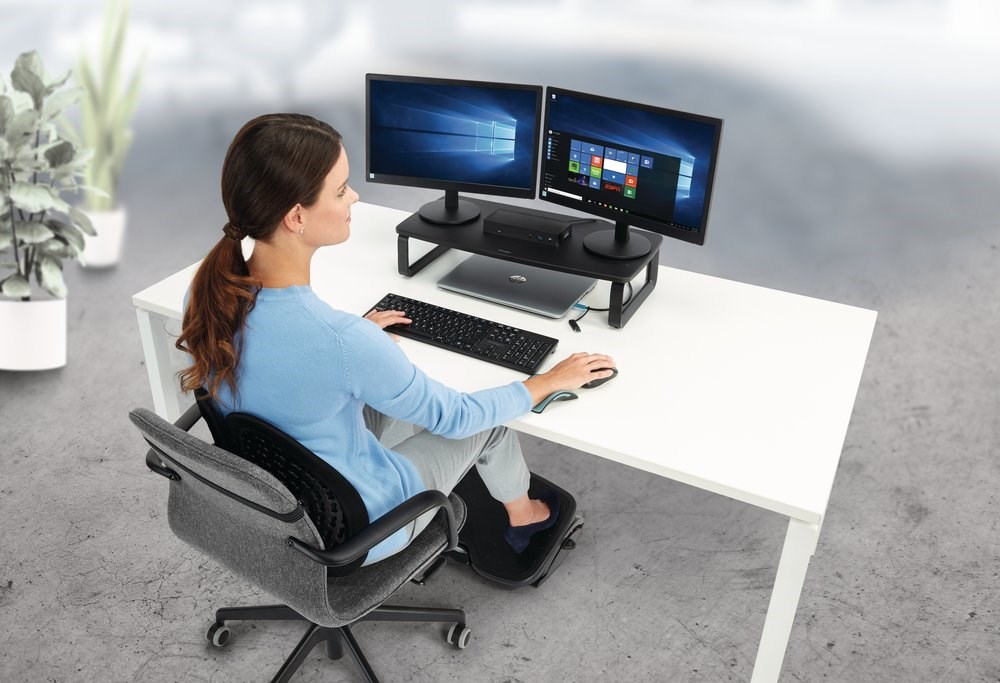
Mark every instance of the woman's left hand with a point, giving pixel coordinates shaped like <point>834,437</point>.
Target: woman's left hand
<point>386,318</point>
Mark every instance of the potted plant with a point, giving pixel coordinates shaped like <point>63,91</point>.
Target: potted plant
<point>38,228</point>
<point>105,118</point>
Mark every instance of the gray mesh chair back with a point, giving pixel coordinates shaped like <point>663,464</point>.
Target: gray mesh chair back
<point>239,515</point>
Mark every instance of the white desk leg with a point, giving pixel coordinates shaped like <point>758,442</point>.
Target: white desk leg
<point>156,349</point>
<point>800,544</point>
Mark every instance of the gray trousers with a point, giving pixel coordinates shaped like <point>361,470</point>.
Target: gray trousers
<point>442,462</point>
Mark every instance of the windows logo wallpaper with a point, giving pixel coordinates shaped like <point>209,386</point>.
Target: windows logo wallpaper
<point>454,133</point>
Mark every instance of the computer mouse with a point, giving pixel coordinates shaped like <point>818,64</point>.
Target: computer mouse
<point>554,396</point>
<point>601,380</point>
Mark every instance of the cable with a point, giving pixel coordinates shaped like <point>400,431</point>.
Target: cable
<point>574,322</point>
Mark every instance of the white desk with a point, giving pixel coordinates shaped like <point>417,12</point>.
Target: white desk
<point>735,389</point>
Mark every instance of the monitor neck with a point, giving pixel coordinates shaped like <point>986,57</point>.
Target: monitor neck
<point>620,244</point>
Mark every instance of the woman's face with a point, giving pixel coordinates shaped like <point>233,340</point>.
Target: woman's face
<point>328,221</point>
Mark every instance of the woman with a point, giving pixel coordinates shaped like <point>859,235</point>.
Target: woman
<point>262,342</point>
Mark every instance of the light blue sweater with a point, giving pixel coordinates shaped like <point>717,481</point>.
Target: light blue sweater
<point>309,370</point>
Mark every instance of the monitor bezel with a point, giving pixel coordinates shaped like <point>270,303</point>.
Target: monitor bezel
<point>453,185</point>
<point>660,228</point>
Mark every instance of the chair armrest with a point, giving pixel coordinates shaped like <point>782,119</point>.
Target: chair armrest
<point>186,421</point>
<point>384,527</point>
<point>155,463</point>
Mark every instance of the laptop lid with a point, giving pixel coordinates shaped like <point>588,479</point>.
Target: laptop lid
<point>529,288</point>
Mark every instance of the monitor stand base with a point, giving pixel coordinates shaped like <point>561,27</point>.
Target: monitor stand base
<point>607,243</point>
<point>445,212</point>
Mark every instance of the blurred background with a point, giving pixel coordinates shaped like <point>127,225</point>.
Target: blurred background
<point>860,162</point>
<point>870,84</point>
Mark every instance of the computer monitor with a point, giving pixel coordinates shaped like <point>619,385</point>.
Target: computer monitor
<point>452,135</point>
<point>632,163</point>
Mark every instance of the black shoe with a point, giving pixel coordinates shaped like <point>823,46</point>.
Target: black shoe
<point>520,536</point>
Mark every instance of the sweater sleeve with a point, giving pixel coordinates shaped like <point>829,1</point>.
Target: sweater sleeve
<point>379,373</point>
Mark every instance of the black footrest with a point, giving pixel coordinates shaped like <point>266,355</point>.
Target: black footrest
<point>482,545</point>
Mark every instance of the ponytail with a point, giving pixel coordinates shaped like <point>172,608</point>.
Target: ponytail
<point>221,295</point>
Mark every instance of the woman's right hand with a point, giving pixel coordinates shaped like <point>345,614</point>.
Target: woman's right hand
<point>568,374</point>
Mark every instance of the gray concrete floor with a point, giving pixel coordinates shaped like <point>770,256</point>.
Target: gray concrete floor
<point>667,582</point>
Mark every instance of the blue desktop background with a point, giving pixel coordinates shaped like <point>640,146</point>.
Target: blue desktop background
<point>641,129</point>
<point>479,135</point>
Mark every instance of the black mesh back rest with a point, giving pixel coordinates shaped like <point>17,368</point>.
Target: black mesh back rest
<point>213,418</point>
<point>331,502</point>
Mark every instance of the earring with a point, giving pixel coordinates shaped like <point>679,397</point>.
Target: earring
<point>301,230</point>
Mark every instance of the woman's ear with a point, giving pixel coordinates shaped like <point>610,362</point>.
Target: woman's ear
<point>294,220</point>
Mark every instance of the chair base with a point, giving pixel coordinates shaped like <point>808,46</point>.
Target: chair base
<point>337,639</point>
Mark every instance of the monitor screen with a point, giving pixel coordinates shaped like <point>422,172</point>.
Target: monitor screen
<point>632,163</point>
<point>457,136</point>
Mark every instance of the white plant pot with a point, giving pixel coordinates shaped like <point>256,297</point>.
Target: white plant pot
<point>104,249</point>
<point>32,334</point>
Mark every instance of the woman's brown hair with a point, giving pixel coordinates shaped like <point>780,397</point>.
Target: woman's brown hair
<point>275,162</point>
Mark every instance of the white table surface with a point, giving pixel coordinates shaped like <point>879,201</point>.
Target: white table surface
<point>732,388</point>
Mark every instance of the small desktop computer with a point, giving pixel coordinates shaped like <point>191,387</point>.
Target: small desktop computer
<point>529,227</point>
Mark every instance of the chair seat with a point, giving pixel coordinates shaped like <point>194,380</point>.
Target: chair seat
<point>358,593</point>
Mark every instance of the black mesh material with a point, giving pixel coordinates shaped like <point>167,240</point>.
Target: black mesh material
<point>213,418</point>
<point>331,502</point>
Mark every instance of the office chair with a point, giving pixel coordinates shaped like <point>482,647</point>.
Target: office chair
<point>282,519</point>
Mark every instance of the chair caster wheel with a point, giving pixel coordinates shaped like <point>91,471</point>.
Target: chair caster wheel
<point>458,635</point>
<point>219,634</point>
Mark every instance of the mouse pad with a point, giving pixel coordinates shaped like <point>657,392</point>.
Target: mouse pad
<point>482,535</point>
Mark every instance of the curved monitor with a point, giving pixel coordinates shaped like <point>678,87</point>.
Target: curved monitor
<point>452,135</point>
<point>632,163</point>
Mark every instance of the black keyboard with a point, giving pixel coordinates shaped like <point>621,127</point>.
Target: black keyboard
<point>503,345</point>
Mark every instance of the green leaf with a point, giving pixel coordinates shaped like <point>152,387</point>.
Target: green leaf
<point>82,221</point>
<point>16,286</point>
<point>60,153</point>
<point>29,62</point>
<point>131,96</point>
<point>6,151</point>
<point>34,198</point>
<point>19,130</point>
<point>6,113</point>
<point>67,233</point>
<point>114,39</point>
<point>56,83</point>
<point>68,129</point>
<point>22,101</point>
<point>25,163</point>
<point>33,232</point>
<point>58,248</point>
<point>60,101</point>
<point>50,277</point>
<point>91,103</point>
<point>28,76</point>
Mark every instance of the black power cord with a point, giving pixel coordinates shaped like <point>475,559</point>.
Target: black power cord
<point>573,322</point>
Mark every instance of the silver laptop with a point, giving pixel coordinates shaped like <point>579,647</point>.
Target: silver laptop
<point>545,292</point>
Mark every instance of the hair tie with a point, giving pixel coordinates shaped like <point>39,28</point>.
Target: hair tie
<point>232,232</point>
